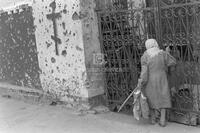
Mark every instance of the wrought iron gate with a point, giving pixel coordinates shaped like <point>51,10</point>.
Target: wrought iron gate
<point>123,31</point>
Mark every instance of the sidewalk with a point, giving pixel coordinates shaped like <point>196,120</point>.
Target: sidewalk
<point>19,117</point>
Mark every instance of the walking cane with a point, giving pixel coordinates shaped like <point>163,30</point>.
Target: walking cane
<point>127,99</point>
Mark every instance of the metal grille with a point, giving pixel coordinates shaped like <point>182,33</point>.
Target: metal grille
<point>180,29</point>
<point>173,23</point>
<point>122,39</point>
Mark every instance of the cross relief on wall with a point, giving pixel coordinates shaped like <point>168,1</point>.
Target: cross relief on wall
<point>54,16</point>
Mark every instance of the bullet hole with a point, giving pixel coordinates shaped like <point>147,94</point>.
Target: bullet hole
<point>46,64</point>
<point>70,32</point>
<point>67,40</point>
<point>58,69</point>
<point>48,44</point>
<point>40,20</point>
<point>75,16</point>
<point>57,79</point>
<point>63,25</point>
<point>45,7</point>
<point>52,71</point>
<point>78,48</point>
<point>64,80</point>
<point>69,65</point>
<point>72,7</point>
<point>64,52</point>
<point>64,11</point>
<point>74,34</point>
<point>53,60</point>
<point>65,33</point>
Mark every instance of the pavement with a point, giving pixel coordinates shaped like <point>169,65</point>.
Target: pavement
<point>21,117</point>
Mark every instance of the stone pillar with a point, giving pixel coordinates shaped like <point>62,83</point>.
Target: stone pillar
<point>67,75</point>
<point>94,81</point>
<point>62,75</point>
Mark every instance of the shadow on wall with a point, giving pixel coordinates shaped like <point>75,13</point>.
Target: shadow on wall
<point>18,52</point>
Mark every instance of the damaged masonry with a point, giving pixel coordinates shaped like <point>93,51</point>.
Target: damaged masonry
<point>87,53</point>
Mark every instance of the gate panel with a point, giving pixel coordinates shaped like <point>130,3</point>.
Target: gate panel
<point>123,33</point>
<point>180,30</point>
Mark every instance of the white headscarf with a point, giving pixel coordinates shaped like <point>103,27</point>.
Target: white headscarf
<point>152,47</point>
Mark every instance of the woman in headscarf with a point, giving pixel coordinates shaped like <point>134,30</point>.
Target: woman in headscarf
<point>153,80</point>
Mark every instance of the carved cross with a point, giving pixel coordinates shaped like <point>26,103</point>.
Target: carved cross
<point>53,16</point>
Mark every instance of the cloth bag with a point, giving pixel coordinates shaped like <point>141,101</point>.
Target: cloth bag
<point>140,106</point>
<point>144,106</point>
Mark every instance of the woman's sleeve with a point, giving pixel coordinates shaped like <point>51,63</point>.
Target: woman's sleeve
<point>169,59</point>
<point>144,72</point>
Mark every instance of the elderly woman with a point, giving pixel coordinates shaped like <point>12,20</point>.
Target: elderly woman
<point>153,80</point>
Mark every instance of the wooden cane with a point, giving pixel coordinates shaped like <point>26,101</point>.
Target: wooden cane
<point>127,99</point>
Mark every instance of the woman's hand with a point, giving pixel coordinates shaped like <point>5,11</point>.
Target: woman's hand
<point>173,91</point>
<point>167,49</point>
<point>139,85</point>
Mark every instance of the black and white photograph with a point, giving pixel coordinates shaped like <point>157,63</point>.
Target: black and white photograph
<point>99,66</point>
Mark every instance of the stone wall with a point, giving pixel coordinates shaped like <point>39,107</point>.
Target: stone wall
<point>18,52</point>
<point>64,70</point>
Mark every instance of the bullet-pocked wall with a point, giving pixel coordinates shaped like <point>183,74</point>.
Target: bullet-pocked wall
<point>18,52</point>
<point>60,48</point>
